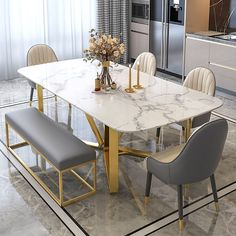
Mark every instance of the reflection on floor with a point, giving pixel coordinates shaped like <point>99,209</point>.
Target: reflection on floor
<point>113,214</point>
<point>22,211</point>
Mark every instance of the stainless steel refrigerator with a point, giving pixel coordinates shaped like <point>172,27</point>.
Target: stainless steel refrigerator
<point>167,33</point>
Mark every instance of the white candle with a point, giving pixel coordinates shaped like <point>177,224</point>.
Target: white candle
<point>138,70</point>
<point>129,76</point>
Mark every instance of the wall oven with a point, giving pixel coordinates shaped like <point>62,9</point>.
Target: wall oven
<point>140,11</point>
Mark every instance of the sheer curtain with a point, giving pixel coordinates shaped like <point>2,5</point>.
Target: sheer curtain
<point>62,24</point>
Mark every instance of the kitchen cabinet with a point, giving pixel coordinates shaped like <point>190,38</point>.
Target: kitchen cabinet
<point>139,43</point>
<point>222,61</point>
<point>218,57</point>
<point>196,54</point>
<point>139,39</point>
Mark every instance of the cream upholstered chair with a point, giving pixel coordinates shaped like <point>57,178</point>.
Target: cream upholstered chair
<point>203,80</point>
<point>39,54</point>
<point>147,62</point>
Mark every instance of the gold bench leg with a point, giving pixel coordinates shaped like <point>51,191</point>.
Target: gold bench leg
<point>7,134</point>
<point>61,194</point>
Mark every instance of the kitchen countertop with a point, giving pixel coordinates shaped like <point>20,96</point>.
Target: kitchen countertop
<point>207,35</point>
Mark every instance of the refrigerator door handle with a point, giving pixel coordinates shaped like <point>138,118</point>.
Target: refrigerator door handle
<point>163,34</point>
<point>166,34</point>
<point>162,45</point>
<point>167,45</point>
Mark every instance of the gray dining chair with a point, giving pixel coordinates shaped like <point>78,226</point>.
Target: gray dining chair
<point>147,63</point>
<point>203,80</point>
<point>190,163</point>
<point>39,54</point>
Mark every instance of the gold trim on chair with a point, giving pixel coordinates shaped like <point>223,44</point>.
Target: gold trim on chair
<point>60,200</point>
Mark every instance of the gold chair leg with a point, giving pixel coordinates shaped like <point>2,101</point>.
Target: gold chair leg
<point>217,207</point>
<point>146,200</point>
<point>120,135</point>
<point>181,225</point>
<point>188,129</point>
<point>40,97</point>
<point>95,176</point>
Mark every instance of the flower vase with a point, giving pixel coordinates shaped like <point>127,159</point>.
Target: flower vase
<point>105,77</point>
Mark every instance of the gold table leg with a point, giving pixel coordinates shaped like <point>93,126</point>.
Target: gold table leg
<point>95,130</point>
<point>111,150</point>
<point>188,129</point>
<point>40,97</point>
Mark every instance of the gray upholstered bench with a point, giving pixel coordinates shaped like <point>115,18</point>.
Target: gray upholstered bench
<point>56,145</point>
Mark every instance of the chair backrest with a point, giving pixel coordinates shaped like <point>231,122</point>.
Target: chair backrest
<point>40,54</point>
<point>147,62</point>
<point>201,79</point>
<point>201,154</point>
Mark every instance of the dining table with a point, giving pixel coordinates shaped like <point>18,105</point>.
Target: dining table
<point>160,102</point>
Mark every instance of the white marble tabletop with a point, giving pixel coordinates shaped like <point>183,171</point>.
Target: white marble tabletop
<point>160,102</point>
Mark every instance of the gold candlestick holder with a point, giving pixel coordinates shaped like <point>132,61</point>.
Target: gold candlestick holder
<point>138,85</point>
<point>129,89</point>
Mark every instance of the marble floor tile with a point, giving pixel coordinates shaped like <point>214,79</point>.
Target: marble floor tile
<point>22,211</point>
<point>206,222</point>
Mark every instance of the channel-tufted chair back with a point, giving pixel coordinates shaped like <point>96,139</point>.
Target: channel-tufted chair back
<point>201,79</point>
<point>147,62</point>
<point>40,54</point>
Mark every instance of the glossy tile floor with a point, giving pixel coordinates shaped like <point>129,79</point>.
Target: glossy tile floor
<point>24,212</point>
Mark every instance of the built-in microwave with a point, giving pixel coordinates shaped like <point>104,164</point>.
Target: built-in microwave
<point>140,11</point>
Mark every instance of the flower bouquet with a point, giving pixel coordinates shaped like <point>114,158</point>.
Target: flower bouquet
<point>104,48</point>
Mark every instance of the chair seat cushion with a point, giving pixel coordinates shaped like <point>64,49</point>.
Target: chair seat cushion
<point>57,144</point>
<point>169,154</point>
<point>158,163</point>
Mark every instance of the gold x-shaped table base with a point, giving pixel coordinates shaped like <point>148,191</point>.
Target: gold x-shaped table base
<point>110,146</point>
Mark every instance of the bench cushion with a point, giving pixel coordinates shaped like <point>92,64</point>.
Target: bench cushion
<point>57,144</point>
